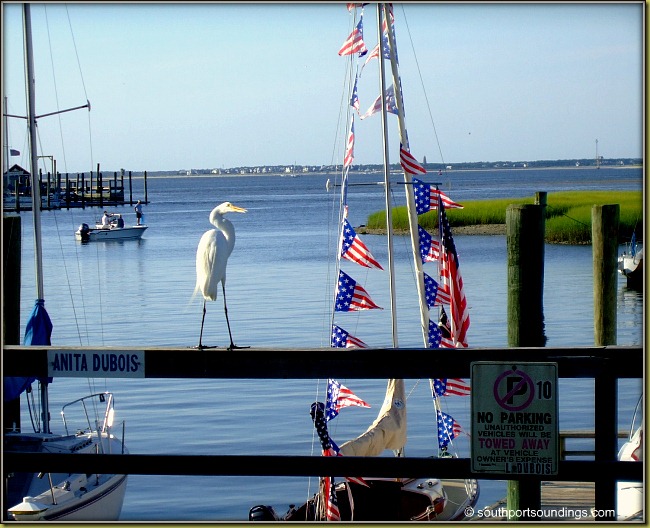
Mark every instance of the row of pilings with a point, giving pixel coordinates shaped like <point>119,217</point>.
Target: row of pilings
<point>525,231</point>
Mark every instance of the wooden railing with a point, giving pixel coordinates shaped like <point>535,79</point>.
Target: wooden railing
<point>603,364</point>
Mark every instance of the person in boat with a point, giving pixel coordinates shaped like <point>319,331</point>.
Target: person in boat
<point>138,212</point>
<point>120,221</point>
<point>106,220</point>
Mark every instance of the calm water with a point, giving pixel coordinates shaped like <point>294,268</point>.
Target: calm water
<point>139,293</point>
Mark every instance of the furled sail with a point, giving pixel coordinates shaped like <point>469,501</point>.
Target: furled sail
<point>388,431</point>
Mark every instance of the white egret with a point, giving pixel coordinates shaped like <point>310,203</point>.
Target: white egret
<point>212,254</point>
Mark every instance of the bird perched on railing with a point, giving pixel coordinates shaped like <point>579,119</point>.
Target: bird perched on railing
<point>212,254</point>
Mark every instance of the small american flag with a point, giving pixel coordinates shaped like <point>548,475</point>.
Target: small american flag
<point>427,196</point>
<point>342,339</point>
<point>437,337</point>
<point>339,396</point>
<point>430,290</point>
<point>351,296</point>
<point>409,163</point>
<point>352,248</point>
<point>448,429</point>
<point>376,106</point>
<point>451,386</point>
<point>349,149</point>
<point>452,280</point>
<point>354,101</point>
<point>429,247</point>
<point>355,43</point>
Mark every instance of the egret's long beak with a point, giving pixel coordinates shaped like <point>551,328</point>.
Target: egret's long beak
<point>236,209</point>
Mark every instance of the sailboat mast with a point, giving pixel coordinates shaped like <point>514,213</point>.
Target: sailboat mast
<point>36,187</point>
<point>410,199</point>
<point>389,216</point>
<point>31,116</point>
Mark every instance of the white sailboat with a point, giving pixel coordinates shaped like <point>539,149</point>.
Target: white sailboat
<point>396,498</point>
<point>88,421</point>
<point>630,263</point>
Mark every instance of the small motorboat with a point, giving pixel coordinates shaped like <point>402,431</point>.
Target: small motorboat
<point>115,230</point>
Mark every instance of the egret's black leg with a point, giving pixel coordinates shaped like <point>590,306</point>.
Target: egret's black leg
<point>202,321</point>
<point>225,309</point>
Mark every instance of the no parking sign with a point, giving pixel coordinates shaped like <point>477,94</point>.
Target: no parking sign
<point>514,418</point>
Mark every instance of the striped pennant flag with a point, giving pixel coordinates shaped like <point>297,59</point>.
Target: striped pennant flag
<point>429,247</point>
<point>351,296</point>
<point>343,339</point>
<point>353,249</point>
<point>409,163</point>
<point>427,196</point>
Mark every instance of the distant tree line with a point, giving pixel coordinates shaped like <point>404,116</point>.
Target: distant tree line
<point>476,165</point>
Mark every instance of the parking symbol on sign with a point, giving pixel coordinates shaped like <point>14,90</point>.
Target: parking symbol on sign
<point>514,390</point>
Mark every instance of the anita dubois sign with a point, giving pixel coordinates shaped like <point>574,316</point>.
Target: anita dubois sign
<point>514,418</point>
<point>95,363</point>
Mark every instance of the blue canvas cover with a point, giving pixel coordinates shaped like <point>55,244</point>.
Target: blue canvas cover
<point>38,331</point>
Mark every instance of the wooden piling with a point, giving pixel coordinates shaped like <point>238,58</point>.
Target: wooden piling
<point>604,236</point>
<point>525,228</point>
<point>100,187</point>
<point>130,188</point>
<point>525,256</point>
<point>83,190</point>
<point>67,190</point>
<point>11,246</point>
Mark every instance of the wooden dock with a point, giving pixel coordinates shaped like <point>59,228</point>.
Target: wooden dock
<point>568,501</point>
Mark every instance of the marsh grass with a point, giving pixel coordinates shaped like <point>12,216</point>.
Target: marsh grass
<point>568,214</point>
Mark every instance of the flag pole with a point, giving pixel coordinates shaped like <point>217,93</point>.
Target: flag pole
<point>410,199</point>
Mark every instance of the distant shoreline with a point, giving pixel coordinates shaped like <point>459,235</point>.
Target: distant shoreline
<point>327,173</point>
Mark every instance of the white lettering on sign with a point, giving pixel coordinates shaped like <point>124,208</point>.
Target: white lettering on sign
<point>100,364</point>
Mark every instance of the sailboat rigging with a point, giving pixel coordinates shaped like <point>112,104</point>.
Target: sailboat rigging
<point>391,499</point>
<point>66,496</point>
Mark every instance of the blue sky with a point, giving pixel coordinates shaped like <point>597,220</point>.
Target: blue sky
<point>179,86</point>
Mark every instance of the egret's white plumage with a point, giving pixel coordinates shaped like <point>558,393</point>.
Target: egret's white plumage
<point>212,254</point>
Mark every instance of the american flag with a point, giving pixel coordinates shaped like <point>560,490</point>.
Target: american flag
<point>352,248</point>
<point>349,149</point>
<point>376,106</point>
<point>342,339</point>
<point>430,290</point>
<point>429,247</point>
<point>339,396</point>
<point>385,48</point>
<point>352,6</point>
<point>451,386</point>
<point>409,163</point>
<point>351,296</point>
<point>355,43</point>
<point>437,337</point>
<point>354,101</point>
<point>448,429</point>
<point>434,335</point>
<point>452,280</point>
<point>427,196</point>
<point>329,448</point>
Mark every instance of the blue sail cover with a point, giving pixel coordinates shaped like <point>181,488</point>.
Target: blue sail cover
<point>38,331</point>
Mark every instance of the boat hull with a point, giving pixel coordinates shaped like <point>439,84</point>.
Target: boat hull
<point>388,500</point>
<point>115,233</point>
<point>631,267</point>
<point>65,496</point>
